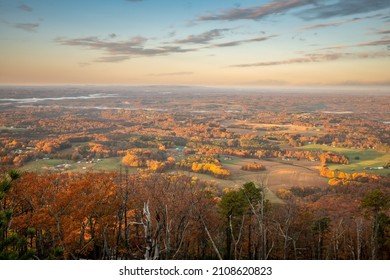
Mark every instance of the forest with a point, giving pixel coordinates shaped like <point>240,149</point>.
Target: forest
<point>193,173</point>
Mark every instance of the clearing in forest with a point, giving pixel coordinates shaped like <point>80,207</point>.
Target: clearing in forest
<point>369,161</point>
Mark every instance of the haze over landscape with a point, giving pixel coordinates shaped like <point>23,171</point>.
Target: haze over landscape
<point>240,43</point>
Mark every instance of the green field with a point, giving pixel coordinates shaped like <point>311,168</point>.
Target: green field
<point>366,159</point>
<point>46,165</point>
<point>108,164</point>
<point>232,160</point>
<point>12,129</point>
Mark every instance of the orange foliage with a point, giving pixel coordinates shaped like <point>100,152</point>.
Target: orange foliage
<point>253,167</point>
<point>205,164</point>
<point>332,157</point>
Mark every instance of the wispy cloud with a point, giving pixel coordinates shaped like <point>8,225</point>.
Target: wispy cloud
<point>84,64</point>
<point>382,42</point>
<point>325,10</point>
<point>257,12</point>
<point>209,36</point>
<point>339,22</point>
<point>171,34</point>
<point>382,32</point>
<point>317,57</point>
<point>330,24</point>
<point>95,43</point>
<point>28,27</point>
<point>386,19</point>
<point>117,51</point>
<point>121,50</point>
<point>111,59</point>
<point>385,41</point>
<point>312,9</point>
<point>171,74</point>
<point>204,37</point>
<point>25,8</point>
<point>240,42</point>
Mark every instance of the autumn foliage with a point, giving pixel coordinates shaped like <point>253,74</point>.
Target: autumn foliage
<point>172,216</point>
<point>140,157</point>
<point>102,216</point>
<point>337,176</point>
<point>253,167</point>
<point>331,157</point>
<point>205,164</point>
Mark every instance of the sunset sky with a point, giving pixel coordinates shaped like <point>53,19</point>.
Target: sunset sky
<point>203,42</point>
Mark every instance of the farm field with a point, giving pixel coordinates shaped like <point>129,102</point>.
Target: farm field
<point>12,129</point>
<point>46,165</point>
<point>108,164</point>
<point>360,160</point>
<point>278,174</point>
<point>265,128</point>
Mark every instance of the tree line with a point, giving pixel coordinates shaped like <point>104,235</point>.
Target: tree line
<point>171,216</point>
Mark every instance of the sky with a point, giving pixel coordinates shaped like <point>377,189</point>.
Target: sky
<point>202,42</point>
